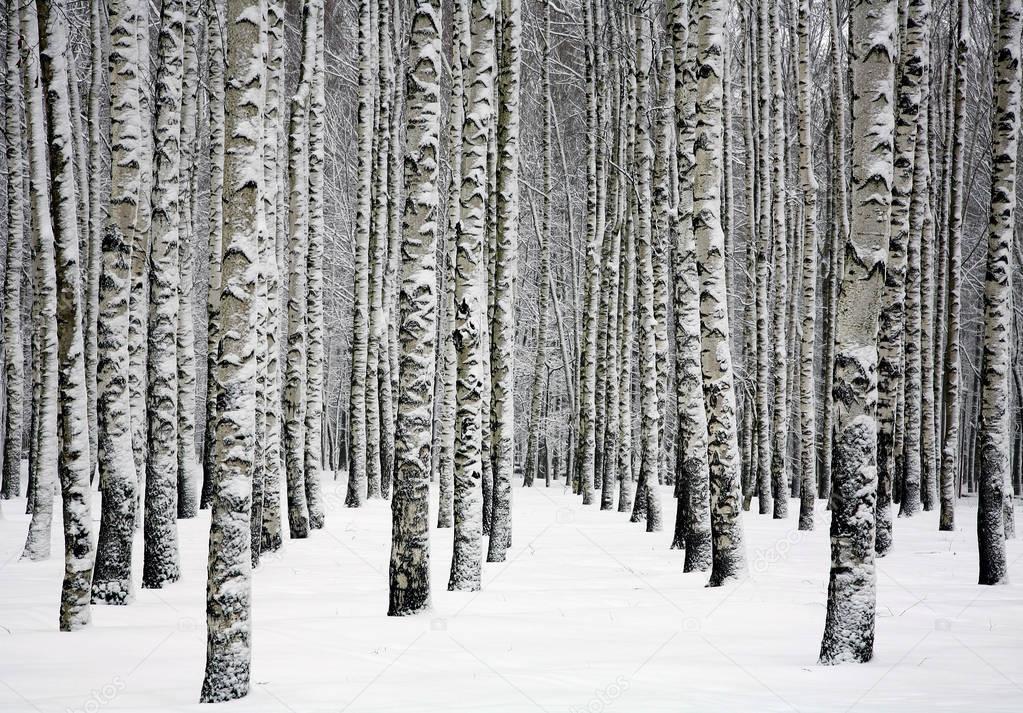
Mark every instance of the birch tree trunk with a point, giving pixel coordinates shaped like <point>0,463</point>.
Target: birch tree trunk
<point>994,405</point>
<point>160,565</point>
<point>296,369</point>
<point>43,459</point>
<point>98,200</point>
<point>360,311</point>
<point>14,369</point>
<point>410,507</point>
<point>807,387</point>
<point>470,301</point>
<point>188,467</point>
<point>229,586</point>
<point>780,423</point>
<point>849,627</point>
<point>73,456</point>
<point>952,398</point>
<point>764,158</point>
<point>215,24</point>
<point>314,309</point>
<point>543,236</point>
<point>111,580</point>
<point>273,174</point>
<point>456,117</point>
<point>502,367</point>
<point>728,554</point>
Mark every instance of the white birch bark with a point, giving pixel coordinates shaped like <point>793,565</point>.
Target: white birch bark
<point>952,397</point>
<point>410,508</point>
<point>470,301</point>
<point>849,628</point>
<point>73,456</point>
<point>229,586</point>
<point>160,564</point>
<point>456,117</point>
<point>273,175</point>
<point>314,308</point>
<point>807,386</point>
<point>994,398</point>
<point>502,367</point>
<point>729,557</point>
<point>112,580</point>
<point>43,458</point>
<point>13,349</point>
<point>188,466</point>
<point>357,480</point>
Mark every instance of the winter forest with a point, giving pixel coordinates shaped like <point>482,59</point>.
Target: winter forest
<point>511,355</point>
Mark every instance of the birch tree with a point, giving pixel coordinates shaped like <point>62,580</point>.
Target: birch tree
<point>410,507</point>
<point>951,399</point>
<point>994,397</point>
<point>360,307</point>
<point>43,456</point>
<point>849,627</point>
<point>470,301</point>
<point>73,456</point>
<point>502,367</point>
<point>14,370</point>
<point>112,580</point>
<point>160,565</point>
<point>728,551</point>
<point>229,584</point>
<point>807,387</point>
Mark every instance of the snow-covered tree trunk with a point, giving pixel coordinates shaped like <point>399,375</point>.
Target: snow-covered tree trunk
<point>43,456</point>
<point>849,629</point>
<point>229,587</point>
<point>729,556</point>
<point>893,322</point>
<point>215,82</point>
<point>314,308</point>
<point>839,234</point>
<point>535,425</point>
<point>273,175</point>
<point>588,376</point>
<point>502,367</point>
<point>780,421</point>
<point>13,349</point>
<point>994,398</point>
<point>764,159</point>
<point>296,370</point>
<point>140,255</point>
<point>807,385</point>
<point>188,467</point>
<point>410,508</point>
<point>952,397</point>
<point>456,117</point>
<point>470,300</point>
<point>98,200</point>
<point>160,565</point>
<point>111,580</point>
<point>691,469</point>
<point>643,162</point>
<point>357,467</point>
<point>73,457</point>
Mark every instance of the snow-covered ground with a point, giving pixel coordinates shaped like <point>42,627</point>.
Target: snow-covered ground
<point>590,613</point>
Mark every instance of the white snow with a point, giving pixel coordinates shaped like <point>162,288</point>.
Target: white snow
<point>589,613</point>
